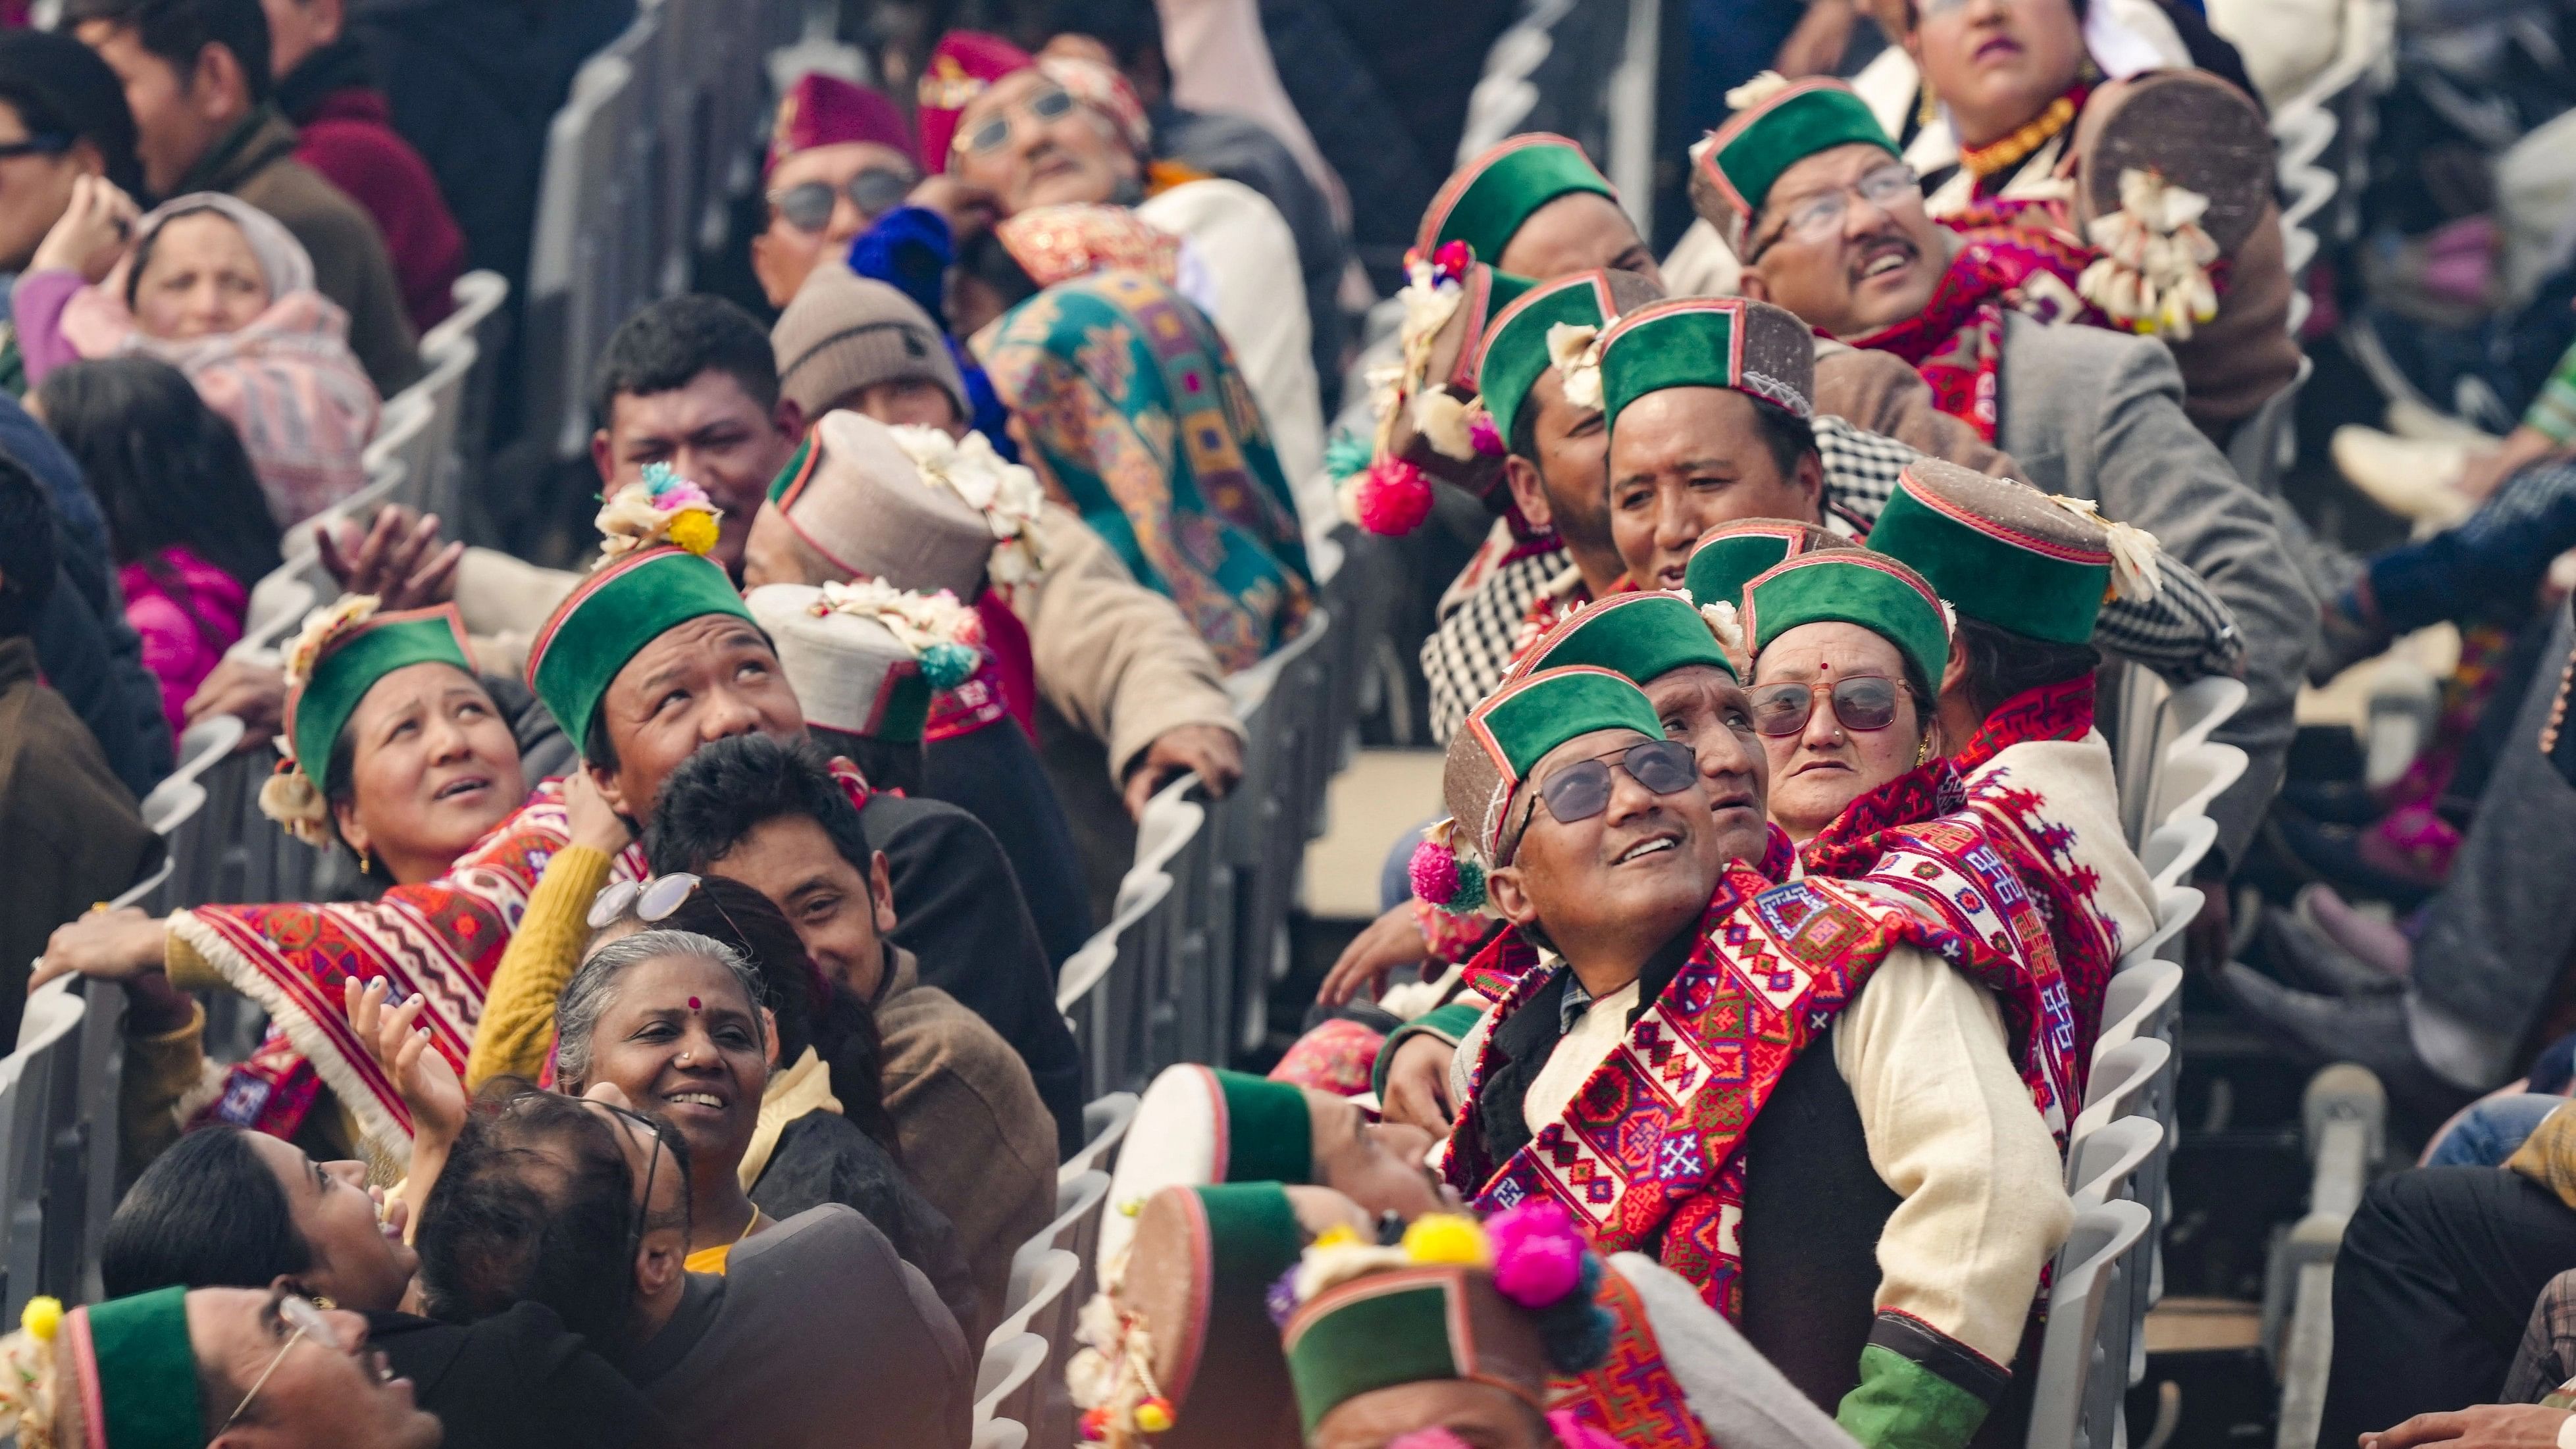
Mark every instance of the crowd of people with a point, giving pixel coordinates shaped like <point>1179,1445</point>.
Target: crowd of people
<point>685,1061</point>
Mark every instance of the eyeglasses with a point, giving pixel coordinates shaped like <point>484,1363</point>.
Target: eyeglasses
<point>1860,702</point>
<point>808,205</point>
<point>1821,215</point>
<point>1582,790</point>
<point>303,1320</point>
<point>1049,105</point>
<point>652,900</point>
<point>44,143</point>
<point>652,1169</point>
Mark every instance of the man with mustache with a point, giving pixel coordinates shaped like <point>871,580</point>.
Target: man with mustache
<point>1913,1131</point>
<point>1807,188</point>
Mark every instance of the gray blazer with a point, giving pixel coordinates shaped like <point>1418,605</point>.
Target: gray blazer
<point>2094,414</point>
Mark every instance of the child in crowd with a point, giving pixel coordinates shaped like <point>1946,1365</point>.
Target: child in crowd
<point>186,521</point>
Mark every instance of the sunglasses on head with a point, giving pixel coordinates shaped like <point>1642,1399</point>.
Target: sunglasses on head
<point>1860,702</point>
<point>808,205</point>
<point>1581,790</point>
<point>652,901</point>
<point>1048,106</point>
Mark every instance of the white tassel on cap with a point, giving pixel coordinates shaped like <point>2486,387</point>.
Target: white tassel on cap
<point>2137,560</point>
<point>2153,274</point>
<point>1757,90</point>
<point>1575,349</point>
<point>1442,421</point>
<point>1727,623</point>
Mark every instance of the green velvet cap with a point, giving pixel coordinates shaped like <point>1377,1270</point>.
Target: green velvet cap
<point>1268,1135</point>
<point>1998,550</point>
<point>136,1351</point>
<point>1852,586</point>
<point>1514,729</point>
<point>1727,557</point>
<point>1484,202</point>
<point>1409,1326</point>
<point>616,612</point>
<point>1642,636</point>
<point>350,666</point>
<point>1201,1272</point>
<point>1521,723</point>
<point>1749,347</point>
<point>1515,349</point>
<point>1747,155</point>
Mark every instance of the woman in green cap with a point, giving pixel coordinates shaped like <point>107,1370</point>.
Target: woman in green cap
<point>394,750</point>
<point>1847,646</point>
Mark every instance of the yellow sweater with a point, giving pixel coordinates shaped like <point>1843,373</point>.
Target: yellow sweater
<point>518,1025</point>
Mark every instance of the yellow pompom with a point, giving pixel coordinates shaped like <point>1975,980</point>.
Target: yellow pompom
<point>42,1317</point>
<point>695,530</point>
<point>1335,1236</point>
<point>1154,1416</point>
<point>1447,1238</point>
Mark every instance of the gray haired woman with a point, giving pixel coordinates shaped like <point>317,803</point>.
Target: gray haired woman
<point>680,1023</point>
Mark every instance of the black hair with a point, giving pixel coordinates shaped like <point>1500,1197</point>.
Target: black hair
<point>596,747</point>
<point>2003,664</point>
<point>669,343</point>
<point>1127,27</point>
<point>60,87</point>
<point>730,788</point>
<point>1788,436</point>
<point>206,1214</point>
<point>888,764</point>
<point>167,470</point>
<point>178,31</point>
<point>841,1028</point>
<point>984,258</point>
<point>537,1203</point>
<point>31,551</point>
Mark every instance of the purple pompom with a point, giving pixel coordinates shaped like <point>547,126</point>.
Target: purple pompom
<point>1487,438</point>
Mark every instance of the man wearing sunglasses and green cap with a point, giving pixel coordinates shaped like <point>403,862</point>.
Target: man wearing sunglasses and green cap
<point>1875,1212</point>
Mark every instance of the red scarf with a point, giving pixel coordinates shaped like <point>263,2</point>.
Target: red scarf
<point>2012,255</point>
<point>1005,684</point>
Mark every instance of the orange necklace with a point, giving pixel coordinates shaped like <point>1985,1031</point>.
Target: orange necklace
<point>2012,150</point>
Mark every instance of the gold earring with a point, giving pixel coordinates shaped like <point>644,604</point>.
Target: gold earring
<point>1923,751</point>
<point>365,866</point>
<point>1927,107</point>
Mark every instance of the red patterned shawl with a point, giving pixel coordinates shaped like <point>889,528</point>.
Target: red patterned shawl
<point>1632,1396</point>
<point>442,939</point>
<point>1645,1156</point>
<point>2016,255</point>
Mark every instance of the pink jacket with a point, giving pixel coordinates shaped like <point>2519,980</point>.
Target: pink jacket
<point>188,614</point>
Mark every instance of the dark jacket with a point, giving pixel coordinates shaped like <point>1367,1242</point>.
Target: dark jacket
<point>88,653</point>
<point>993,774</point>
<point>963,915</point>
<point>69,833</point>
<point>256,162</point>
<point>518,1378</point>
<point>823,1157</point>
<point>344,130</point>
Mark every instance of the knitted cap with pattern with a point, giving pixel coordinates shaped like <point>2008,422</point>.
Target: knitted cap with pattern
<point>843,332</point>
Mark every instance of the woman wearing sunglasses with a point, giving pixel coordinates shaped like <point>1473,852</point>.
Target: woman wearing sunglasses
<point>228,1208</point>
<point>1845,645</point>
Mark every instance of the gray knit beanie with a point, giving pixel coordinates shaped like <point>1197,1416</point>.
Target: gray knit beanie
<point>843,332</point>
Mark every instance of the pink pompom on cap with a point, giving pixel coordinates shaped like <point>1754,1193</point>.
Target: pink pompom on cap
<point>1538,1254</point>
<point>1393,498</point>
<point>1487,438</point>
<point>1434,872</point>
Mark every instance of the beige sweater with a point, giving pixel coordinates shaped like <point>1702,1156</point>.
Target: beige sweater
<point>977,1140</point>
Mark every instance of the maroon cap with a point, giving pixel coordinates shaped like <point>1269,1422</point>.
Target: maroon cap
<point>825,110</point>
<point>961,66</point>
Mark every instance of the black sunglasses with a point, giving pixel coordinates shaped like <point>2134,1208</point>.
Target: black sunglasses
<point>1053,104</point>
<point>47,143</point>
<point>1581,790</point>
<point>1860,702</point>
<point>807,206</point>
